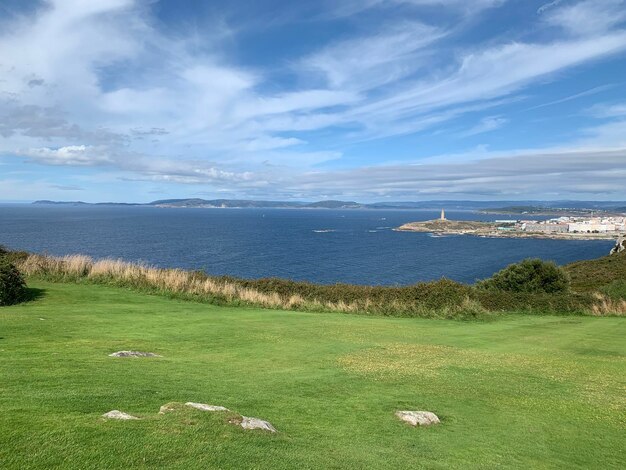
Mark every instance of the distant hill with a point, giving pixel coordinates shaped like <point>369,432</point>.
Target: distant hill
<point>336,205</point>
<point>561,211</point>
<point>224,203</point>
<point>61,203</point>
<point>81,203</point>
<point>502,207</point>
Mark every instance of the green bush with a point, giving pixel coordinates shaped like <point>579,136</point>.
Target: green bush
<point>529,276</point>
<point>538,303</point>
<point>12,256</point>
<point>616,290</point>
<point>411,300</point>
<point>12,285</point>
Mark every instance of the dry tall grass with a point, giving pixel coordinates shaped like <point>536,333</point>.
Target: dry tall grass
<point>429,300</point>
<point>80,268</point>
<point>177,281</point>
<point>607,306</point>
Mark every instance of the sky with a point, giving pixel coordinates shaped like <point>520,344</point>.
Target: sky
<point>367,100</point>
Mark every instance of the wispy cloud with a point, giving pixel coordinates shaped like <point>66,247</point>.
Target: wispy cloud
<point>102,86</point>
<point>608,110</point>
<point>486,124</point>
<point>67,187</point>
<point>589,92</point>
<point>546,6</point>
<point>351,7</point>
<point>554,174</point>
<point>72,155</point>
<point>367,62</point>
<point>588,16</point>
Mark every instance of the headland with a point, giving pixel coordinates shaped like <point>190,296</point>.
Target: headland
<point>562,228</point>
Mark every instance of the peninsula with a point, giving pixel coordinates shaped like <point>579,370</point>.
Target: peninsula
<point>563,228</point>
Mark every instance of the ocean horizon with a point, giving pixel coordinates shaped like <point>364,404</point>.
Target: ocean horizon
<point>355,246</point>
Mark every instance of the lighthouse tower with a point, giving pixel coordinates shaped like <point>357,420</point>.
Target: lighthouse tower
<point>443,215</point>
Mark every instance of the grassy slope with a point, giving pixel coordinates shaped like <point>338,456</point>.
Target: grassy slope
<point>593,274</point>
<point>520,392</point>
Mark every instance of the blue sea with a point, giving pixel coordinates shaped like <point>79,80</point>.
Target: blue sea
<point>316,245</point>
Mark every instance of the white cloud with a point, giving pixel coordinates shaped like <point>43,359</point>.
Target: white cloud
<point>588,17</point>
<point>367,62</point>
<point>351,7</point>
<point>501,70</point>
<point>546,6</point>
<point>608,110</point>
<point>558,173</point>
<point>74,155</point>
<point>590,91</point>
<point>97,84</point>
<point>487,124</point>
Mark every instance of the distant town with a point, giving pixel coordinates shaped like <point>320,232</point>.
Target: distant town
<point>564,227</point>
<point>609,225</point>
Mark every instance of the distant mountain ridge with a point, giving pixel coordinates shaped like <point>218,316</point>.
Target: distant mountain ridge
<point>506,206</point>
<point>220,203</point>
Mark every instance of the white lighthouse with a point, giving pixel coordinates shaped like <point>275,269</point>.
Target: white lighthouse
<point>443,215</point>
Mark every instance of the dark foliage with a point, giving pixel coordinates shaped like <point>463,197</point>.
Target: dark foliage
<point>529,276</point>
<point>12,285</point>
<point>13,256</point>
<point>409,300</point>
<point>616,290</point>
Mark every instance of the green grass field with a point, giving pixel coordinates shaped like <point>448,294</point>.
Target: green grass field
<point>515,392</point>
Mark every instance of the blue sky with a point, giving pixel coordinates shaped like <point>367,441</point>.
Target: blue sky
<point>369,100</point>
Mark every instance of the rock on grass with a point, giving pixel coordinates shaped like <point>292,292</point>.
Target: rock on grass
<point>204,407</point>
<point>418,418</point>
<point>170,407</point>
<point>254,423</point>
<point>133,354</point>
<point>116,414</point>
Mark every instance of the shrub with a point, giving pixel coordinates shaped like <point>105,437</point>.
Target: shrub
<point>13,256</point>
<point>529,276</point>
<point>12,285</point>
<point>530,287</point>
<point>616,290</point>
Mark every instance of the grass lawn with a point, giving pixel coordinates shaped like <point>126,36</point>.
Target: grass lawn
<point>517,392</point>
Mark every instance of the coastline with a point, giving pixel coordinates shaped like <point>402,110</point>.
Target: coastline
<point>489,230</point>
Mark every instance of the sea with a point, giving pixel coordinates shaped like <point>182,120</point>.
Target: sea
<point>316,245</point>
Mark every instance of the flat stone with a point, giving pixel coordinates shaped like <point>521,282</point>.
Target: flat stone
<point>204,407</point>
<point>418,418</point>
<point>116,414</point>
<point>133,354</point>
<point>256,423</point>
<point>169,407</point>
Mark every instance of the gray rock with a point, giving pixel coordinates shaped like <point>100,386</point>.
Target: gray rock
<point>418,418</point>
<point>620,245</point>
<point>256,423</point>
<point>203,407</point>
<point>169,407</point>
<point>133,354</point>
<point>116,414</point>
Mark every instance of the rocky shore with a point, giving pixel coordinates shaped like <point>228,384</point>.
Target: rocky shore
<point>492,230</point>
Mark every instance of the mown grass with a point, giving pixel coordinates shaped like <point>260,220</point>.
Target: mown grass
<point>519,392</point>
